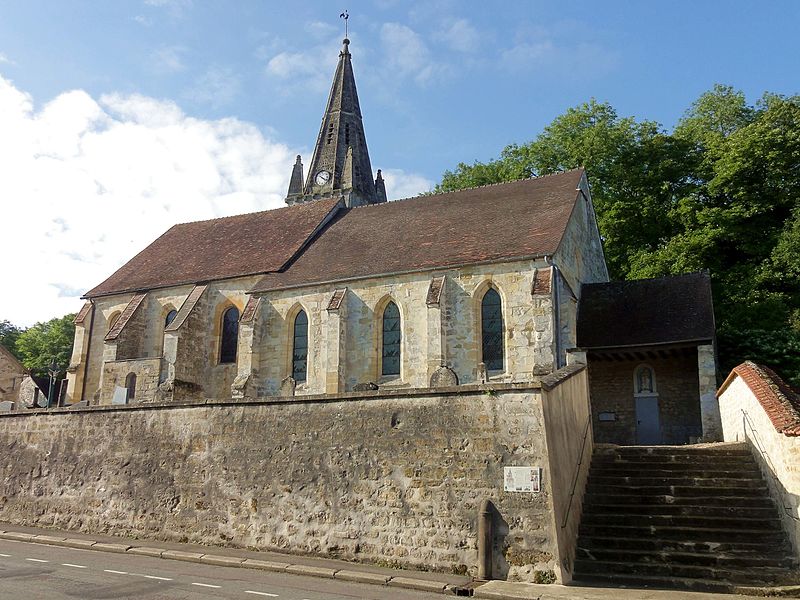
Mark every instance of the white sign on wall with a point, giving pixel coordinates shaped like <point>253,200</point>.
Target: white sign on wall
<point>522,479</point>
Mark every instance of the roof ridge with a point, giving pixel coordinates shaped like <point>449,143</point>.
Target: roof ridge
<point>475,187</point>
<point>250,214</point>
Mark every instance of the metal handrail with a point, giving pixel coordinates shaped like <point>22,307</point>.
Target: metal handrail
<point>577,469</point>
<point>770,464</point>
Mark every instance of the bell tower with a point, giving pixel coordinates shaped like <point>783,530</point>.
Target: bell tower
<point>340,164</point>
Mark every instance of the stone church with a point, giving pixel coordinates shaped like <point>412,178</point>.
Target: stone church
<point>448,382</point>
<point>342,291</point>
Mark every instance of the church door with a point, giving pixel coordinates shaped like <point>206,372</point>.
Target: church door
<point>648,427</point>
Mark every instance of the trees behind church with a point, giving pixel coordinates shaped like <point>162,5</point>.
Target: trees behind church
<point>38,345</point>
<point>721,191</point>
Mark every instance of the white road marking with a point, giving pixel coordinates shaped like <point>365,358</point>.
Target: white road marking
<point>71,565</point>
<point>5,555</point>
<point>261,593</point>
<point>36,560</point>
<point>157,577</point>
<point>115,572</point>
<point>207,585</point>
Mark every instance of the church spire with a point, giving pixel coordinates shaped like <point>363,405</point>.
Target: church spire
<point>340,164</point>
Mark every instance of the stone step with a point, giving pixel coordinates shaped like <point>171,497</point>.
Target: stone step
<point>734,449</point>
<point>683,471</point>
<point>668,532</point>
<point>694,521</point>
<point>620,580</point>
<point>626,497</point>
<point>739,548</point>
<point>739,576</point>
<point>645,479</point>
<point>633,510</point>
<point>706,559</point>
<point>657,463</point>
<point>678,490</point>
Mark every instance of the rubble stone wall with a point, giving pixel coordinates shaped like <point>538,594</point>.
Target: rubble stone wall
<point>394,479</point>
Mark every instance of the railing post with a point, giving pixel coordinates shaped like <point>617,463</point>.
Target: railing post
<point>485,539</point>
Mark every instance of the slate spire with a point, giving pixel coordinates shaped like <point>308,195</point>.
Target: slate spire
<point>340,164</point>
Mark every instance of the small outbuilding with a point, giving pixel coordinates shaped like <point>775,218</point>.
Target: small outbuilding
<point>650,348</point>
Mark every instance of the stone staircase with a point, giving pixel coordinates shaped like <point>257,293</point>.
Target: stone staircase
<point>688,517</point>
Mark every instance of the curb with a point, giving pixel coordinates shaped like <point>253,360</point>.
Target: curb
<point>244,563</point>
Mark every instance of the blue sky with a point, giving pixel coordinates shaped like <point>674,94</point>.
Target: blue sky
<point>162,111</point>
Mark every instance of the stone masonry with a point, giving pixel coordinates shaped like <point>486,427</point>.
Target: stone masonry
<point>393,479</point>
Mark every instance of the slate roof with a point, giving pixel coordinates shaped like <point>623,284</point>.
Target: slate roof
<point>646,312</point>
<point>520,219</point>
<point>219,249</point>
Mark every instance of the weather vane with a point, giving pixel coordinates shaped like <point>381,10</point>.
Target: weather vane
<point>344,16</point>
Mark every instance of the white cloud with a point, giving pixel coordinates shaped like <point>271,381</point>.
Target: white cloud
<point>168,59</point>
<point>461,36</point>
<point>307,71</point>
<point>400,184</point>
<point>557,50</point>
<point>4,60</point>
<point>218,86</point>
<point>142,20</point>
<point>407,55</point>
<point>86,184</point>
<point>320,29</point>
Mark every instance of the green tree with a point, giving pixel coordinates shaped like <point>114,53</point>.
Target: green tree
<point>38,345</point>
<point>720,192</point>
<point>9,334</point>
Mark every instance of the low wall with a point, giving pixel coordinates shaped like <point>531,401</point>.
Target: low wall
<point>567,414</point>
<point>395,479</point>
<point>745,419</point>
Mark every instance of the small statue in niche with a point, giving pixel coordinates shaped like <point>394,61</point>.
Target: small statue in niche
<point>645,380</point>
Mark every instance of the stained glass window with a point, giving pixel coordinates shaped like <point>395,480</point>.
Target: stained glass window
<point>300,347</point>
<point>230,335</point>
<point>391,340</point>
<point>492,330</point>
<point>170,317</point>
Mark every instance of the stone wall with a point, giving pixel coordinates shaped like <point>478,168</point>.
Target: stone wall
<point>611,385</point>
<point>566,409</point>
<point>777,454</point>
<point>147,372</point>
<point>450,330</point>
<point>392,479</point>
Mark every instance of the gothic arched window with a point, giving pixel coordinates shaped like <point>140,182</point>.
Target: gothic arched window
<point>170,317</point>
<point>492,330</point>
<point>390,357</point>
<point>130,385</point>
<point>300,347</point>
<point>230,335</point>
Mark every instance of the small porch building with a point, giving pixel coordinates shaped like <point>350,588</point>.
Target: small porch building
<point>650,349</point>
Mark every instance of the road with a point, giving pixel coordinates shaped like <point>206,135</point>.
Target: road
<point>34,571</point>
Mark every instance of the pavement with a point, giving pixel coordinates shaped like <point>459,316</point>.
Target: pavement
<point>339,570</point>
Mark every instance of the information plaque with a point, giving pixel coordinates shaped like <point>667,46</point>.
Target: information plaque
<point>522,479</point>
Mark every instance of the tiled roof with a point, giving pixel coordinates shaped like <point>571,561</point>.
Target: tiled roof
<point>646,312</point>
<point>520,219</point>
<point>219,249</point>
<point>779,401</point>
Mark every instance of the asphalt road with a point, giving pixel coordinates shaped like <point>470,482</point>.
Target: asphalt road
<point>34,571</point>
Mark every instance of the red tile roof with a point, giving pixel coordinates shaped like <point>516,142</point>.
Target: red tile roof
<point>235,246</point>
<point>521,219</point>
<point>779,401</point>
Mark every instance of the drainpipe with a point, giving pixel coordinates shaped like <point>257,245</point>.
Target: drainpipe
<point>485,538</point>
<point>88,350</point>
<point>556,312</point>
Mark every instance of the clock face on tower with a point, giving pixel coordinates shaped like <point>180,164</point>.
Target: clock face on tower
<point>322,177</point>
